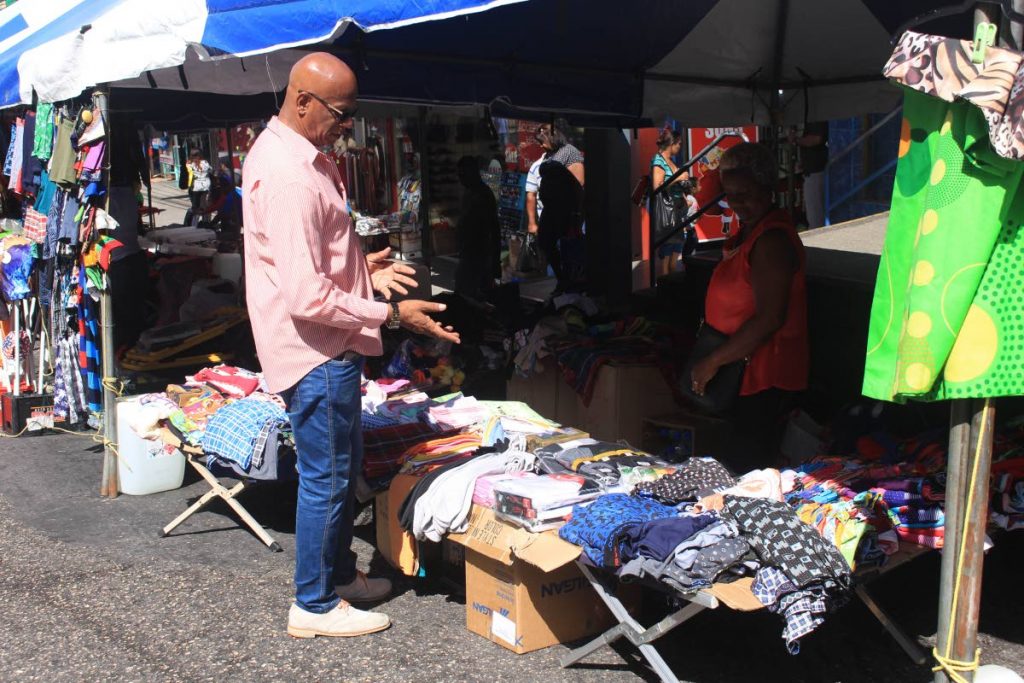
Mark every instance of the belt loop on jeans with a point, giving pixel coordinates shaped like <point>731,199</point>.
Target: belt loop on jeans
<point>350,356</point>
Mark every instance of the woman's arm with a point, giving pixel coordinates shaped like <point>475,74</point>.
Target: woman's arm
<point>577,172</point>
<point>773,262</point>
<point>657,177</point>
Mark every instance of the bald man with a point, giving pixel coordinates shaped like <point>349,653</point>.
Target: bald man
<point>310,295</point>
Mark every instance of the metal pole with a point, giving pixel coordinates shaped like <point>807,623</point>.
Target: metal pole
<point>956,465</point>
<point>425,191</point>
<point>969,464</point>
<point>108,485</point>
<point>16,309</point>
<point>231,154</point>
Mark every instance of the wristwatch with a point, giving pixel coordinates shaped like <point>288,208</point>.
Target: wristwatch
<point>395,319</point>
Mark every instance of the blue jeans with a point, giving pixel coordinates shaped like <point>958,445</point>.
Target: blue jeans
<point>325,409</point>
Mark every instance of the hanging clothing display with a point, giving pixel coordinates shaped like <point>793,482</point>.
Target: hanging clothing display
<point>945,321</point>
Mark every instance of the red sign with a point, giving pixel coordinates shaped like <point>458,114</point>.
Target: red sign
<point>714,227</point>
<point>529,150</point>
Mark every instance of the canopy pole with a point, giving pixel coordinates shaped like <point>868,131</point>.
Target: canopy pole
<point>231,154</point>
<point>109,484</point>
<point>966,513</point>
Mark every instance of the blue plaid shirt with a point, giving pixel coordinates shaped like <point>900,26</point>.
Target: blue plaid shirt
<point>233,433</point>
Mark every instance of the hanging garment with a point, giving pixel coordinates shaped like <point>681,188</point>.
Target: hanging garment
<point>16,261</point>
<point>42,144</point>
<point>89,345</point>
<point>945,321</point>
<point>17,157</point>
<point>9,156</point>
<point>62,162</point>
<point>30,165</point>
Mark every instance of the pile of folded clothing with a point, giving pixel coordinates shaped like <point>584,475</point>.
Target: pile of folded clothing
<point>539,503</point>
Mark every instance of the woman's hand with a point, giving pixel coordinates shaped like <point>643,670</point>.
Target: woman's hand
<point>703,372</point>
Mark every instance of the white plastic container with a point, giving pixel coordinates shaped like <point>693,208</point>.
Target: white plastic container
<point>228,266</point>
<point>144,466</point>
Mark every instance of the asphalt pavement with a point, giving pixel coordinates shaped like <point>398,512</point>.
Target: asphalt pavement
<point>89,592</point>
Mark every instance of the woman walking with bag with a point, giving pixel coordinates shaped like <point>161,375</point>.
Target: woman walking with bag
<point>666,206</point>
<point>199,190</point>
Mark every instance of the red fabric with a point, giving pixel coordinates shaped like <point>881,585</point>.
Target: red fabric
<point>782,360</point>
<point>230,380</point>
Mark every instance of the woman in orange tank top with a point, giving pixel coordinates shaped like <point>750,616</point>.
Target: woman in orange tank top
<point>757,294</point>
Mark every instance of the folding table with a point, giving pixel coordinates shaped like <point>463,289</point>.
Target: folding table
<point>195,457</point>
<point>736,595</point>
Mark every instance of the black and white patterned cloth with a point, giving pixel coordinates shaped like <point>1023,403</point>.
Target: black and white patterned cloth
<point>803,609</point>
<point>698,477</point>
<point>781,540</point>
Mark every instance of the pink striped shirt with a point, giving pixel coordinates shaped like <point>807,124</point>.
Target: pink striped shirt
<point>307,283</point>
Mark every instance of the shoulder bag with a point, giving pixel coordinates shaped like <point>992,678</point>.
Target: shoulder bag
<point>721,392</point>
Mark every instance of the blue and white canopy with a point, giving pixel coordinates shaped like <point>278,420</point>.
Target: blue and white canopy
<point>61,47</point>
<point>702,62</point>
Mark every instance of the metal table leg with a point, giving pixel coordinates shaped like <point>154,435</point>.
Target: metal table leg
<point>912,649</point>
<point>632,630</point>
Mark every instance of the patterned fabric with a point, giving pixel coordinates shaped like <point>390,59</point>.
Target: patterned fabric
<point>697,478</point>
<point>235,431</point>
<point>89,346</point>
<point>383,448</point>
<point>16,262</point>
<point>803,610</point>
<point>374,421</point>
<point>42,142</point>
<point>596,527</point>
<point>34,227</point>
<point>941,67</point>
<point>8,346</point>
<point>945,320</point>
<point>780,539</point>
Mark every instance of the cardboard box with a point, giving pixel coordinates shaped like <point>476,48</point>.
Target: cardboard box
<point>539,390</point>
<point>669,436</point>
<point>709,436</point>
<point>623,396</point>
<point>396,545</point>
<point>523,590</point>
<point>444,241</point>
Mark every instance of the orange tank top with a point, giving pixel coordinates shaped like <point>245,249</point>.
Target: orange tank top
<point>782,360</point>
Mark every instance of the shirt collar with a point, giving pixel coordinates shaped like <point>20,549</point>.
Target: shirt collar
<point>301,146</point>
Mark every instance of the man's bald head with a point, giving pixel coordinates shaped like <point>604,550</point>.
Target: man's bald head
<point>324,74</point>
<point>318,83</point>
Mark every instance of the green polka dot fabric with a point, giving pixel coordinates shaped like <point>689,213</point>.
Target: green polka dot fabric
<point>946,319</point>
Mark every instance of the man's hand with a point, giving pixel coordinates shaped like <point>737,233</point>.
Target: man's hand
<point>388,276</point>
<point>532,228</point>
<point>378,260</point>
<point>415,316</point>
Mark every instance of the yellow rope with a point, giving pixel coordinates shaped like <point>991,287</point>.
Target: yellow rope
<point>952,667</point>
<point>114,385</point>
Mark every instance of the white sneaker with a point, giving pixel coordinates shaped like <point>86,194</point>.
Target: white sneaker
<point>344,621</point>
<point>364,589</point>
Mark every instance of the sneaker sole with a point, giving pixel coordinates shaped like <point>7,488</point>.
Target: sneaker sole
<point>312,633</point>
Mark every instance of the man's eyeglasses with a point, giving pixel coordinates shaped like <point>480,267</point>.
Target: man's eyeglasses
<point>340,115</point>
